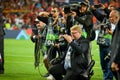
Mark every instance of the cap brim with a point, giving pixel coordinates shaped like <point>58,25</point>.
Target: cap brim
<point>84,3</point>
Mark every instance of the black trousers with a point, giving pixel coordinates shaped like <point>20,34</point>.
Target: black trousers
<point>117,75</point>
<point>2,52</point>
<point>59,73</point>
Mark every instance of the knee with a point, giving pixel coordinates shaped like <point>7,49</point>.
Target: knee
<point>51,71</point>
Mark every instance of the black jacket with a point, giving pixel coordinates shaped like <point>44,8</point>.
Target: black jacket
<point>86,19</point>
<point>100,14</point>
<point>79,55</point>
<point>115,46</point>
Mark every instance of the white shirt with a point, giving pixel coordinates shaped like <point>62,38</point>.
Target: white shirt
<point>67,63</point>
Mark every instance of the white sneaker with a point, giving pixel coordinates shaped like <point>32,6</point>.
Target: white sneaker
<point>50,77</point>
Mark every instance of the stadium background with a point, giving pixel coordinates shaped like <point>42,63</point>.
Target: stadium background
<point>19,54</point>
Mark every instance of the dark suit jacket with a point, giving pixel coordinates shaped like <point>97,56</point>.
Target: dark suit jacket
<point>2,33</point>
<point>115,46</point>
<point>79,55</point>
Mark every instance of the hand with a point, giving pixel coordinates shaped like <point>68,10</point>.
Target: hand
<point>38,36</point>
<point>74,13</point>
<point>102,6</point>
<point>68,38</point>
<point>93,7</point>
<point>114,66</point>
<point>87,1</point>
<point>57,45</point>
<point>109,31</point>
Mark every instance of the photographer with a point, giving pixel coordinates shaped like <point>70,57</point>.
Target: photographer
<point>53,30</point>
<point>104,38</point>
<point>114,18</point>
<point>38,36</point>
<point>72,64</point>
<point>84,16</point>
<point>70,21</point>
<point>57,28</point>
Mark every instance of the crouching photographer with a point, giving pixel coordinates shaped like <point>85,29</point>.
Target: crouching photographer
<point>74,61</point>
<point>60,45</point>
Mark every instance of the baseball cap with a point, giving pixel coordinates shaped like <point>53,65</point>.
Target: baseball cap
<point>43,19</point>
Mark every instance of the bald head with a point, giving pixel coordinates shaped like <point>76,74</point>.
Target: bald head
<point>114,16</point>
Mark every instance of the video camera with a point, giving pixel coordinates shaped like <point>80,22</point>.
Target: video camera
<point>72,7</point>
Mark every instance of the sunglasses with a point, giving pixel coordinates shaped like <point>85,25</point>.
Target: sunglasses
<point>54,11</point>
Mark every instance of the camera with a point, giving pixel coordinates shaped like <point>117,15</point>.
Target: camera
<point>98,5</point>
<point>61,40</point>
<point>67,9</point>
<point>106,24</point>
<point>62,31</point>
<point>75,7</point>
<point>72,7</point>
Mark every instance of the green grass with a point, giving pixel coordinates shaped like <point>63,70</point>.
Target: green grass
<point>19,61</point>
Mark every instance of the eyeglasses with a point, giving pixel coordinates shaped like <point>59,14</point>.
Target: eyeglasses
<point>54,11</point>
<point>74,32</point>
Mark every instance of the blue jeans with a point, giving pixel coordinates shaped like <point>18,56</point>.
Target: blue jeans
<point>107,73</point>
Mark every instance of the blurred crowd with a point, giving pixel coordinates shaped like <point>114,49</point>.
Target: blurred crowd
<point>20,14</point>
<point>59,29</point>
<point>53,20</point>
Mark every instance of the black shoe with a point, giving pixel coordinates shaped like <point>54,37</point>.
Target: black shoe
<point>46,75</point>
<point>1,71</point>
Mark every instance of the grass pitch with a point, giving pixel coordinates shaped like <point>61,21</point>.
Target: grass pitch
<point>19,61</point>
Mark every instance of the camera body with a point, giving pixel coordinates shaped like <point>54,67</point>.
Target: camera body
<point>72,7</point>
<point>106,25</point>
<point>62,31</point>
<point>61,40</point>
<point>98,5</point>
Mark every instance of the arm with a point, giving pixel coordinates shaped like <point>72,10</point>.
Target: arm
<point>98,15</point>
<point>81,47</point>
<point>87,21</point>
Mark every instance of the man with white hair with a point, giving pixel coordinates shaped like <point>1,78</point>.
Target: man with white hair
<point>114,18</point>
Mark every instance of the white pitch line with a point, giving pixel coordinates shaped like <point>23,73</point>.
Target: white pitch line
<point>20,56</point>
<point>20,62</point>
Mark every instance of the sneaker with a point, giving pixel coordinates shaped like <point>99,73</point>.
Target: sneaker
<point>50,77</point>
<point>46,75</point>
